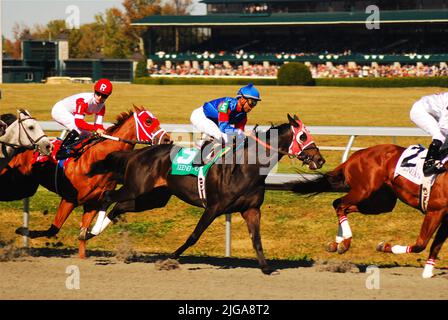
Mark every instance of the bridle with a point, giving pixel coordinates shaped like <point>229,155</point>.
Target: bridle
<point>21,124</point>
<point>147,131</point>
<point>302,146</point>
<point>144,132</point>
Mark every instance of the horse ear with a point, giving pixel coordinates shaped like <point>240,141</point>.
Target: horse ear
<point>296,117</point>
<point>292,121</point>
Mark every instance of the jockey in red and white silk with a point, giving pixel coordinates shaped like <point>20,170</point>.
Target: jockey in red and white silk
<point>430,113</point>
<point>70,112</point>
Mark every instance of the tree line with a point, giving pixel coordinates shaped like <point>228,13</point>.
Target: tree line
<point>110,35</point>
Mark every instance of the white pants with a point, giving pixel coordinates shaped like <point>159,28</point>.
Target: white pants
<point>64,117</point>
<point>204,124</point>
<point>424,120</point>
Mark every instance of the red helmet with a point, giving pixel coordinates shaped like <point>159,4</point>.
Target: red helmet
<point>103,86</point>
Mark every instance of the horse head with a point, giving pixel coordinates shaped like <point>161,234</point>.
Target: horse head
<point>145,127</point>
<point>302,144</point>
<point>26,132</point>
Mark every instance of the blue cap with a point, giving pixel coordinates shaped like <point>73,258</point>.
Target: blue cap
<point>250,92</point>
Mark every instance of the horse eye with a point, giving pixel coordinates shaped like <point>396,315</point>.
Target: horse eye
<point>302,137</point>
<point>148,121</point>
<point>31,127</point>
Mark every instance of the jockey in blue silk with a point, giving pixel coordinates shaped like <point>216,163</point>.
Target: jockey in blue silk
<point>226,116</point>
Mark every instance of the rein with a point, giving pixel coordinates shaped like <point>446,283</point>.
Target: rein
<point>268,146</point>
<point>133,142</point>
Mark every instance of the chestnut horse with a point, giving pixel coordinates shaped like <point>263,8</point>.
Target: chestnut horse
<point>72,184</point>
<point>373,188</point>
<point>235,186</point>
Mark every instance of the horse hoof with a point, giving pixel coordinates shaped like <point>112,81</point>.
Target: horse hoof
<point>343,246</point>
<point>380,246</point>
<point>384,247</point>
<point>23,231</point>
<point>332,246</point>
<point>270,272</point>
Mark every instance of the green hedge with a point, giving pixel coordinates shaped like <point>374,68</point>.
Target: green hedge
<point>384,82</point>
<point>294,74</point>
<point>335,82</point>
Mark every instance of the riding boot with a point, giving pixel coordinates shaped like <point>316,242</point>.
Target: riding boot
<point>65,150</point>
<point>433,163</point>
<point>205,147</point>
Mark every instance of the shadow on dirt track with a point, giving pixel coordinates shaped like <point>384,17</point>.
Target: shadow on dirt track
<point>219,262</point>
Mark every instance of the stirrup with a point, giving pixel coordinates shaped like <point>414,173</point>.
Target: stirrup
<point>433,167</point>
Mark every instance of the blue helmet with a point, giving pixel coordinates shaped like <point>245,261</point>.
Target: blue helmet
<point>249,91</point>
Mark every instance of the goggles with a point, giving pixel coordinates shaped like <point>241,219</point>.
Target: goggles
<point>102,95</point>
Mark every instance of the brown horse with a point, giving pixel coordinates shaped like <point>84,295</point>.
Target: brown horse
<point>373,188</point>
<point>73,185</point>
<point>236,184</point>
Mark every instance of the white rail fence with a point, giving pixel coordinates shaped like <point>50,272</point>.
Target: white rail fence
<point>185,134</point>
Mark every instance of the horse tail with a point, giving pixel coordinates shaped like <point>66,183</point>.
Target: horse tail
<point>333,181</point>
<point>114,162</point>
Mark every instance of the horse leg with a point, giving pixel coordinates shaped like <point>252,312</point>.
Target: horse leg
<point>64,210</point>
<point>206,219</point>
<point>344,235</point>
<point>87,218</point>
<point>439,239</point>
<point>252,217</point>
<point>345,205</point>
<point>158,198</point>
<point>430,223</point>
<point>111,196</point>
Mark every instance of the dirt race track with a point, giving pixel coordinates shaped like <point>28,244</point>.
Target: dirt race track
<point>45,276</point>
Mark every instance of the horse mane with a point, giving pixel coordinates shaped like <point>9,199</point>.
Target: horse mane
<point>122,117</point>
<point>282,127</point>
<point>8,118</point>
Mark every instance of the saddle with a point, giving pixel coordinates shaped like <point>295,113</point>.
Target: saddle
<point>78,149</point>
<point>206,153</point>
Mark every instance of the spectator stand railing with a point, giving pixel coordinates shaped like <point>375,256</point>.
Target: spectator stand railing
<point>184,134</point>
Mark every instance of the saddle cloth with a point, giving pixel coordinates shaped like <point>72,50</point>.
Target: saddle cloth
<point>410,164</point>
<point>183,162</point>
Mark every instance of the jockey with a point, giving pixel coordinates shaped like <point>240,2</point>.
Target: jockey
<point>226,116</point>
<point>70,113</point>
<point>430,113</point>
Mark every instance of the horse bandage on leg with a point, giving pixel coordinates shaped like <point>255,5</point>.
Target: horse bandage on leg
<point>339,237</point>
<point>101,223</point>
<point>346,231</point>
<point>429,267</point>
<point>400,249</point>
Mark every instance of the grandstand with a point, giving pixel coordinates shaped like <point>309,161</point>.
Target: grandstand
<point>314,31</point>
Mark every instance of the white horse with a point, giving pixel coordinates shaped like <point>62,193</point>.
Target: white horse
<point>22,132</point>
